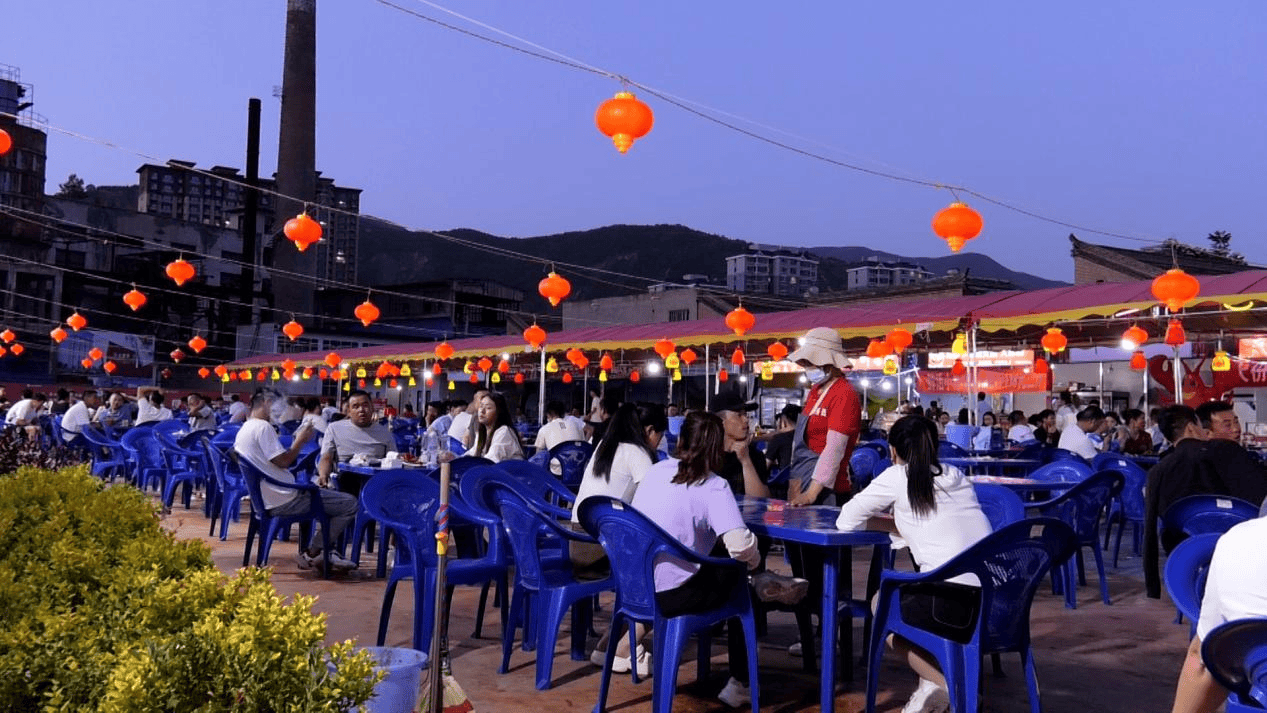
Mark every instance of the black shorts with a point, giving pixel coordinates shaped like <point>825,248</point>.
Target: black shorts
<point>947,609</point>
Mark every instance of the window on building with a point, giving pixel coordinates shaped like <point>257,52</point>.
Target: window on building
<point>679,315</point>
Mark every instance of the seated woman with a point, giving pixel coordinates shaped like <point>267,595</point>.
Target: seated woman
<point>627,450</point>
<point>936,511</point>
<point>985,433</point>
<point>496,438</point>
<point>687,498</point>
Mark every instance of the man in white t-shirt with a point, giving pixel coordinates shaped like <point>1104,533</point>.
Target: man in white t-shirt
<point>238,410</point>
<point>1066,413</point>
<point>149,405</point>
<point>24,414</point>
<point>1075,438</point>
<point>1235,588</point>
<point>556,430</point>
<point>79,415</point>
<point>201,417</point>
<point>257,442</point>
<point>1020,430</point>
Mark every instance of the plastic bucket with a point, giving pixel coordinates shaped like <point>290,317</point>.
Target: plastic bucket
<point>399,689</point>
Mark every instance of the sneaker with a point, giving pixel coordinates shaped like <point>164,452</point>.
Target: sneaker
<point>735,694</point>
<point>338,562</point>
<point>771,587</point>
<point>796,650</point>
<point>622,664</point>
<point>307,561</point>
<point>928,698</point>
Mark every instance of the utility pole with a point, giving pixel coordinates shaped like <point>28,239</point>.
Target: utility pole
<point>250,211</point>
<point>296,158</point>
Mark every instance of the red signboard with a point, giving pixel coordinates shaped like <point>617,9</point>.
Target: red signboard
<point>991,381</point>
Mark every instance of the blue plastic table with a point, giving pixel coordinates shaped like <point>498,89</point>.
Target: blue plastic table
<point>985,465</point>
<point>815,526</point>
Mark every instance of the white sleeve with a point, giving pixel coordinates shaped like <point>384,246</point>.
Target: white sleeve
<point>878,496</point>
<point>742,545</point>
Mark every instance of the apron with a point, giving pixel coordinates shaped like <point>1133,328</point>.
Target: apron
<point>803,458</point>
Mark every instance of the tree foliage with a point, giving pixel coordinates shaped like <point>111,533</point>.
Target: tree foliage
<point>1220,242</point>
<point>74,188</point>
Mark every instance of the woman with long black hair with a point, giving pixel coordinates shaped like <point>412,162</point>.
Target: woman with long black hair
<point>935,510</point>
<point>496,438</point>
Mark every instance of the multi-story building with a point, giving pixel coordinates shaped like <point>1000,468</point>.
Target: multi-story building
<point>873,272</point>
<point>772,270</point>
<point>216,196</point>
<point>22,166</point>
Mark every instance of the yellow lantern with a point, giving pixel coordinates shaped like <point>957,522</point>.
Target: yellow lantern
<point>378,381</point>
<point>602,376</point>
<point>360,372</point>
<point>672,361</point>
<point>412,382</point>
<point>767,372</point>
<point>452,386</point>
<point>890,366</point>
<point>405,370</point>
<point>467,368</point>
<point>552,366</point>
<point>496,378</point>
<point>224,379</point>
<point>960,345</point>
<point>1221,361</point>
<point>677,375</point>
<point>347,386</point>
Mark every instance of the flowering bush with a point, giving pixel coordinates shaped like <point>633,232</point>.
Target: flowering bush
<point>101,609</point>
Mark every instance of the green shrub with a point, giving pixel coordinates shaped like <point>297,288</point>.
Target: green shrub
<point>101,609</point>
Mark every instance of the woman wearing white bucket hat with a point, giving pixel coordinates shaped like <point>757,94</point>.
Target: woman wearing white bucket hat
<point>830,423</point>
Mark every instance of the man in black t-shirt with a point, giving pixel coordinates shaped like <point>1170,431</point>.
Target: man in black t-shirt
<point>778,452</point>
<point>744,466</point>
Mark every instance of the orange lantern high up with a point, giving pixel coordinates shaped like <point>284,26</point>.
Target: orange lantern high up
<point>85,362</point>
<point>17,349</point>
<point>1134,338</point>
<point>6,142</point>
<point>8,336</point>
<point>293,330</point>
<point>776,351</point>
<point>333,360</point>
<point>664,348</point>
<point>109,367</point>
<point>95,354</point>
<point>606,363</point>
<point>1055,340</point>
<point>197,344</point>
<point>180,271</point>
<point>689,356</point>
<point>58,334</point>
<point>1175,335</point>
<point>737,357</point>
<point>485,363</point>
<point>177,355</point>
<point>221,370</point>
<point>503,366</point>
<point>76,321</point>
<point>134,298</point>
<point>878,349</point>
<point>1175,288</point>
<point>554,288</point>
<point>958,369</point>
<point>444,350</point>
<point>1138,362</point>
<point>740,320</point>
<point>625,119</point>
<point>204,372</point>
<point>957,224</point>
<point>723,375</point>
<point>635,376</point>
<point>366,312</point>
<point>899,339</point>
<point>534,335</point>
<point>302,231</point>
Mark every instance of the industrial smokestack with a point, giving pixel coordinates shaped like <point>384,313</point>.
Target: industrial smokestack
<point>296,156</point>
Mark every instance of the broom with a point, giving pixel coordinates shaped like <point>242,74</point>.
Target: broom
<point>442,694</point>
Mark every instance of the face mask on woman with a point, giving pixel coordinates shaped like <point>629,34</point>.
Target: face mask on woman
<point>815,375</point>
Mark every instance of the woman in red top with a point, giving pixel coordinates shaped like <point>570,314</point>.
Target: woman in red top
<point>830,422</point>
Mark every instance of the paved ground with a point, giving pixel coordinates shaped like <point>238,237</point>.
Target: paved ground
<point>1118,658</point>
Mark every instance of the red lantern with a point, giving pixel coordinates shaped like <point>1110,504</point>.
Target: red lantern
<point>444,350</point>
<point>1174,333</point>
<point>664,348</point>
<point>177,355</point>
<point>485,363</point>
<point>58,334</point>
<point>233,376</point>
<point>1138,362</point>
<point>740,320</point>
<point>261,375</point>
<point>221,370</point>
<point>899,339</point>
<point>1040,366</point>
<point>625,119</point>
<point>1054,341</point>
<point>17,349</point>
<point>85,363</point>
<point>6,142</point>
<point>567,377</point>
<point>634,376</point>
<point>572,355</point>
<point>197,344</point>
<point>288,365</point>
<point>776,351</point>
<point>302,231</point>
<point>95,354</point>
<point>737,357</point>
<point>180,271</point>
<point>1134,337</point>
<point>606,363</point>
<point>166,373</point>
<point>333,360</point>
<point>134,298</point>
<point>689,356</point>
<point>504,366</point>
<point>204,372</point>
<point>323,374</point>
<point>958,369</point>
<point>723,375</point>
<point>76,321</point>
<point>1175,288</point>
<point>475,378</point>
<point>957,224</point>
<point>7,335</point>
<point>554,288</point>
<point>582,361</point>
<point>293,329</point>
<point>519,378</point>
<point>878,349</point>
<point>109,367</point>
<point>534,335</point>
<point>244,375</point>
<point>366,312</point>
<point>435,369</point>
<point>393,383</point>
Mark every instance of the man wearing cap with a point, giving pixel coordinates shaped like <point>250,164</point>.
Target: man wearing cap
<point>743,466</point>
<point>830,423</point>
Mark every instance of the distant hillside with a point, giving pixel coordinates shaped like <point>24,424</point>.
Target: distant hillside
<point>978,265</point>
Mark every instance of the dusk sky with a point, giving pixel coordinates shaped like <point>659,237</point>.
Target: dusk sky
<point>1146,119</point>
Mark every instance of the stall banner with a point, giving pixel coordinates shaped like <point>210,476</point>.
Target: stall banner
<point>991,381</point>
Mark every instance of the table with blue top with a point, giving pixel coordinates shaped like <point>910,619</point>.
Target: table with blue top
<point>985,465</point>
<point>815,526</point>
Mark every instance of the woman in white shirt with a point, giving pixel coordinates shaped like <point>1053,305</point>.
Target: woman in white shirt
<point>985,434</point>
<point>496,438</point>
<point>935,510</point>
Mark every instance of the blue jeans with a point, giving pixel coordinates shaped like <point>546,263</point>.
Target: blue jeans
<point>340,508</point>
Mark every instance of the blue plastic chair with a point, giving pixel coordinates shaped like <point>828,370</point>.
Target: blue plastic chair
<point>1186,569</point>
<point>268,527</point>
<point>1235,654</point>
<point>455,445</point>
<point>542,594</point>
<point>184,467</point>
<point>881,447</point>
<point>633,543</point>
<point>1080,507</point>
<point>1061,471</point>
<point>949,449</point>
<point>1036,451</point>
<point>145,456</point>
<point>572,457</point>
<point>882,465</point>
<point>1061,454</point>
<point>862,467</point>
<point>540,458</point>
<point>406,503</point>
<point>543,483</point>
<point>108,456</point>
<point>226,501</point>
<point>1009,564</point>
<point>1199,514</point>
<point>1127,508</point>
<point>172,427</point>
<point>1000,505</point>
